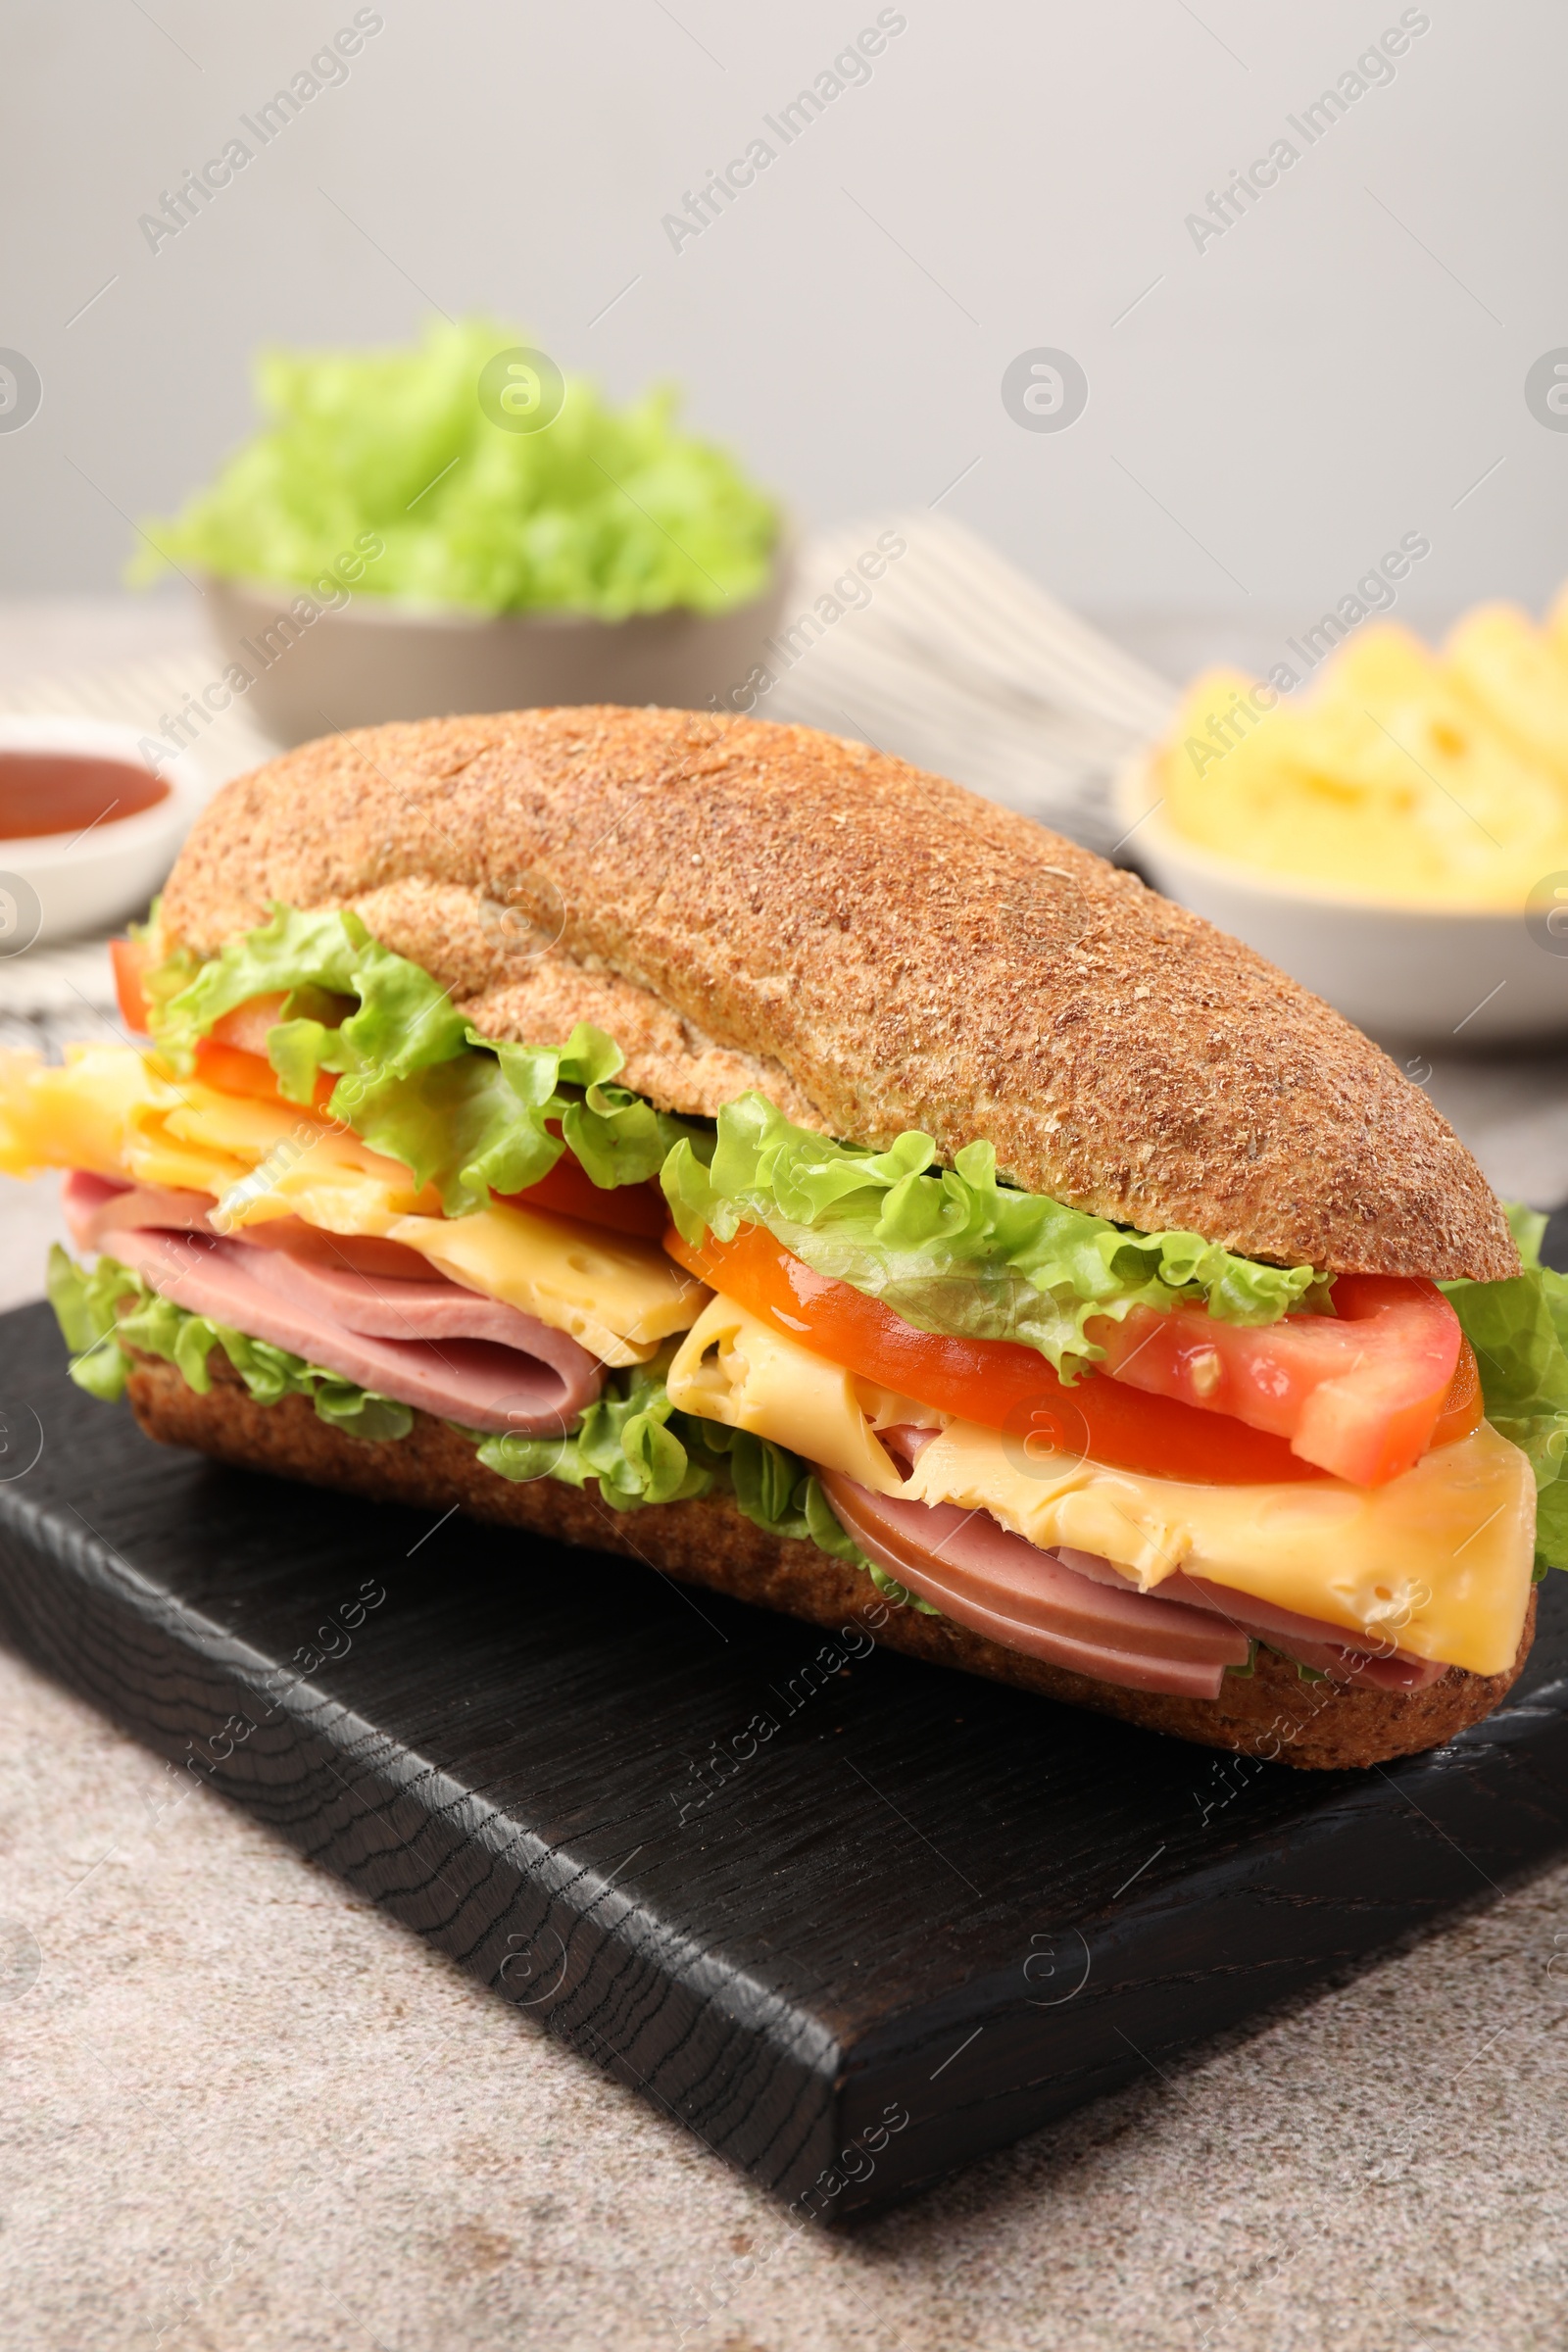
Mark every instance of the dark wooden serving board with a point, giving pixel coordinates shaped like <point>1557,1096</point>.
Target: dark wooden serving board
<point>919,1917</point>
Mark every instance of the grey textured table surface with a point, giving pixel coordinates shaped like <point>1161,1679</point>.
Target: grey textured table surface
<point>243,2110</point>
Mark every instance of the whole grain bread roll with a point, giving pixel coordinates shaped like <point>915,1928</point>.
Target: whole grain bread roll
<point>742,905</point>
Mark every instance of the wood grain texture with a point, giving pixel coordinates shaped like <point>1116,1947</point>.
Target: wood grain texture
<point>852,1919</point>
<point>744,904</point>
<point>1316,1727</point>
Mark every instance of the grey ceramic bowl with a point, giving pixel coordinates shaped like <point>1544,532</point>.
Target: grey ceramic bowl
<point>1428,975</point>
<point>373,658</point>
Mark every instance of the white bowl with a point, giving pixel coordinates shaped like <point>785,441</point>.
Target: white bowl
<point>379,657</point>
<point>61,885</point>
<point>1434,975</point>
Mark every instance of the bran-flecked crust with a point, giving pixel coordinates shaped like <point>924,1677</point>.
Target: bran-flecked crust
<point>1273,1714</point>
<point>746,903</point>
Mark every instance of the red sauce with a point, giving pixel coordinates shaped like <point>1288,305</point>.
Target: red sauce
<point>66,792</point>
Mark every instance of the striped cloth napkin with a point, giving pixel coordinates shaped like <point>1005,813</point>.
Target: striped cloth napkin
<point>960,663</point>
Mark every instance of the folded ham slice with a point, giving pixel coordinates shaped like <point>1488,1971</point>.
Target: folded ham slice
<point>96,1206</point>
<point>1312,1641</point>
<point>419,1339</point>
<point>1074,1610</point>
<point>977,1573</point>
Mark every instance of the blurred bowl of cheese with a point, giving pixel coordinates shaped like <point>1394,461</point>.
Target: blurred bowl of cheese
<point>1395,836</point>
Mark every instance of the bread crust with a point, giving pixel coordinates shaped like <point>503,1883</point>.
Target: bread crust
<point>744,904</point>
<point>1272,1714</point>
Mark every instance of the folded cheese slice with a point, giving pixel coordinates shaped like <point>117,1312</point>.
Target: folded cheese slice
<point>730,1367</point>
<point>106,1112</point>
<point>617,1295</point>
<point>1436,1562</point>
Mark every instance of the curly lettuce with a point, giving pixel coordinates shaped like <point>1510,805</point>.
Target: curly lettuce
<point>631,1440</point>
<point>642,1449</point>
<point>953,1249</point>
<point>107,1311</point>
<point>466,1113</point>
<point>949,1249</point>
<point>413,455</point>
<point>1519,1331</point>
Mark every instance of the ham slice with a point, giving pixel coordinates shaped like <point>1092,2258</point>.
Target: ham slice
<point>978,1574</point>
<point>426,1342</point>
<point>1312,1640</point>
<point>1079,1611</point>
<point>96,1204</point>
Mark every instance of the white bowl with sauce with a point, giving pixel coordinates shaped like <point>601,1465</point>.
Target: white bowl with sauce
<point>1431,975</point>
<point>88,827</point>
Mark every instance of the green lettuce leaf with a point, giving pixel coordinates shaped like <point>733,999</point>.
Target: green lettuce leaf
<point>394,474</point>
<point>1519,1331</point>
<point>104,1311</point>
<point>949,1250</point>
<point>470,1115</point>
<point>783,1497</point>
<point>84,1301</point>
<point>642,1450</point>
<point>404,1022</point>
<point>631,1440</point>
<point>1528,1229</point>
<point>952,1249</point>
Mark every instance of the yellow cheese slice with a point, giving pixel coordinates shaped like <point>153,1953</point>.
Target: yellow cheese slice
<point>267,1160</point>
<point>1436,1562</point>
<point>732,1368</point>
<point>72,1116</point>
<point>617,1295</point>
<point>117,1112</point>
<point>113,1111</point>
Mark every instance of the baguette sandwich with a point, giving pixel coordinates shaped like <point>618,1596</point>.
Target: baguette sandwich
<point>719,1144</point>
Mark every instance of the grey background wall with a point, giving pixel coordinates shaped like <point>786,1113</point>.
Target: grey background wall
<point>1269,407</point>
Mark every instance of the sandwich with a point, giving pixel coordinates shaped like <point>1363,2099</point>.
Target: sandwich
<point>714,1142</point>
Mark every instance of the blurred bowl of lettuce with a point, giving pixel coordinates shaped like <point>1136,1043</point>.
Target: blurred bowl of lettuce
<point>1394,836</point>
<point>457,526</point>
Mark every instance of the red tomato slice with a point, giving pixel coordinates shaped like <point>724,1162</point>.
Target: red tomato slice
<point>234,1071</point>
<point>232,1055</point>
<point>249,1025</point>
<point>1005,1386</point>
<point>571,1192</point>
<point>998,1383</point>
<point>1360,1392</point>
<point>129,959</point>
<point>1463,1408</point>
